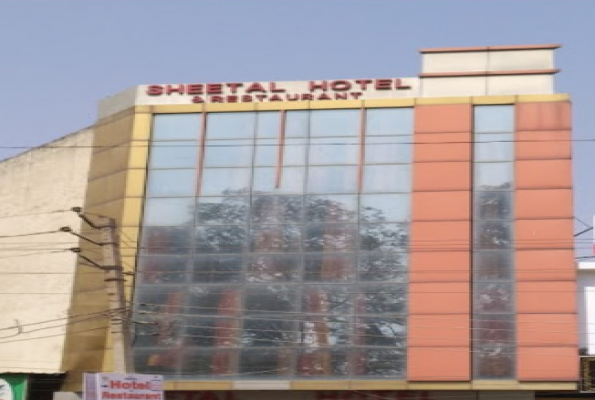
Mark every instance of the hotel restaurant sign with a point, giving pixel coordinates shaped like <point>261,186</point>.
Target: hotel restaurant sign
<point>248,92</point>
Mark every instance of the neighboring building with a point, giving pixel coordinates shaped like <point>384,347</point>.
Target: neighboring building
<point>411,237</point>
<point>37,188</point>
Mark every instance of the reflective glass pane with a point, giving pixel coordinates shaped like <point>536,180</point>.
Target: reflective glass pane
<point>389,121</point>
<point>157,361</point>
<point>174,155</point>
<point>494,147</point>
<point>492,297</point>
<point>493,329</point>
<point>334,122</point>
<point>329,268</point>
<point>292,180</point>
<point>493,205</point>
<point>385,207</point>
<point>493,235</point>
<point>494,362</point>
<point>331,208</point>
<point>387,178</point>
<point>176,126</point>
<point>379,362</point>
<point>231,125</point>
<point>493,176</point>
<point>384,237</point>
<point>226,181</point>
<point>265,362</point>
<point>389,150</point>
<point>156,302</point>
<point>492,265</point>
<point>269,331</point>
<point>220,239</point>
<point>295,152</point>
<point>382,299</point>
<point>382,267</point>
<point>328,151</point>
<point>269,299</point>
<point>275,238</point>
<point>171,182</point>
<point>167,240</point>
<point>208,362</point>
<point>223,210</point>
<point>209,269</point>
<point>169,211</point>
<point>330,237</point>
<point>323,362</point>
<point>212,331</point>
<point>228,153</point>
<point>267,152</point>
<point>297,123</point>
<point>213,300</point>
<point>494,119</point>
<point>268,123</point>
<point>162,269</point>
<point>332,179</point>
<point>327,299</point>
<point>274,268</point>
<point>158,330</point>
<point>379,331</point>
<point>276,209</point>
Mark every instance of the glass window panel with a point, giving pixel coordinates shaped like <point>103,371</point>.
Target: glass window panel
<point>167,240</point>
<point>387,178</point>
<point>276,209</point>
<point>268,123</point>
<point>494,362</point>
<point>292,180</point>
<point>492,265</point>
<point>383,267</point>
<point>228,153</point>
<point>220,239</point>
<point>328,151</point>
<point>322,331</point>
<point>382,299</point>
<point>229,125</point>
<point>385,207</point>
<point>493,205</point>
<point>265,362</point>
<point>158,330</point>
<point>379,331</point>
<point>157,302</point>
<point>274,268</point>
<point>329,268</point>
<point>494,119</point>
<point>332,179</point>
<point>275,238</point>
<point>494,147</point>
<point>389,150</point>
<point>169,211</point>
<point>267,152</point>
<point>379,362</point>
<point>226,181</point>
<point>493,176</point>
<point>323,363</point>
<point>269,331</point>
<point>318,300</point>
<point>334,122</point>
<point>174,155</point>
<point>212,332</point>
<point>176,127</point>
<point>295,152</point>
<point>331,208</point>
<point>162,269</point>
<point>297,123</point>
<point>384,237</point>
<point>493,329</point>
<point>493,235</point>
<point>208,362</point>
<point>270,298</point>
<point>389,121</point>
<point>493,297</point>
<point>330,237</point>
<point>218,269</point>
<point>171,182</point>
<point>223,210</point>
<point>157,361</point>
<point>221,300</point>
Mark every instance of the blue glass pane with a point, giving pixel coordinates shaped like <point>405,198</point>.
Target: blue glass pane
<point>389,150</point>
<point>222,210</point>
<point>385,207</point>
<point>329,151</point>
<point>297,123</point>
<point>169,212</point>
<point>295,152</point>
<point>267,152</point>
<point>332,179</point>
<point>331,208</point>
<point>171,182</point>
<point>292,180</point>
<point>225,181</point>
<point>268,124</point>
<point>493,176</point>
<point>335,123</point>
<point>387,178</point>
<point>493,119</point>
<point>182,154</point>
<point>389,121</point>
<point>176,126</point>
<point>228,153</point>
<point>494,147</point>
<point>239,125</point>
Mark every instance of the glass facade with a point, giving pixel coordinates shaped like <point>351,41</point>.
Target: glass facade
<point>275,245</point>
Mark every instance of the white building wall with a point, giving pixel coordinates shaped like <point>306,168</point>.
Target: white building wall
<point>586,306</point>
<point>36,272</point>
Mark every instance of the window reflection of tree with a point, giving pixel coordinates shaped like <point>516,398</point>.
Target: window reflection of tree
<point>493,235</point>
<point>495,362</point>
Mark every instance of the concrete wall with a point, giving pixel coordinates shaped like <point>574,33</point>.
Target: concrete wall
<point>36,273</point>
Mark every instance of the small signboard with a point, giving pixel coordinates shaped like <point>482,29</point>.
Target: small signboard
<point>102,386</point>
<point>587,374</point>
<point>13,387</point>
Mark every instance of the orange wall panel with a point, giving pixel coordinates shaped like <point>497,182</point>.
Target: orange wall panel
<point>435,364</point>
<point>442,176</point>
<point>543,204</point>
<point>547,330</point>
<point>544,234</point>
<point>443,118</point>
<point>438,147</point>
<point>439,266</point>
<point>545,265</point>
<point>439,298</point>
<point>546,297</point>
<point>538,145</point>
<point>441,206</point>
<point>543,116</point>
<point>440,236</point>
<point>543,174</point>
<point>439,330</point>
<point>547,363</point>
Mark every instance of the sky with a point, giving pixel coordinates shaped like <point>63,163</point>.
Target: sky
<point>60,57</point>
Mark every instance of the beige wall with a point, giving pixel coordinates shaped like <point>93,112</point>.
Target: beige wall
<point>37,287</point>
